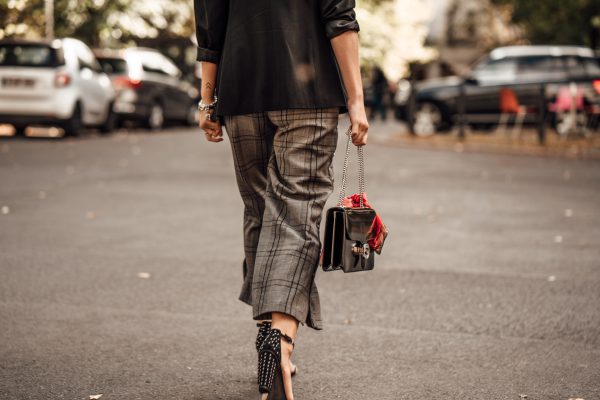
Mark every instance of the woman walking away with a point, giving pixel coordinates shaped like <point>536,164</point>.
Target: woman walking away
<point>283,72</point>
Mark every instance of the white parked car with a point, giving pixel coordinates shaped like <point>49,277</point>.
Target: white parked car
<point>58,83</point>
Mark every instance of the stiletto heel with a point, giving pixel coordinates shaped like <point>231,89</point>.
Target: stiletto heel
<point>270,378</point>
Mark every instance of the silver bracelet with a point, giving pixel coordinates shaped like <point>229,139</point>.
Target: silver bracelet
<point>204,107</point>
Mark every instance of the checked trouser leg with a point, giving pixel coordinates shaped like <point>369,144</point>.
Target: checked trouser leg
<point>283,162</point>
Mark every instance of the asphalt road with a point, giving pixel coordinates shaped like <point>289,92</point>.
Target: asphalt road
<point>121,266</point>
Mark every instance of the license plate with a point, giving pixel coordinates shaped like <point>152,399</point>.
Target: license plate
<point>18,82</point>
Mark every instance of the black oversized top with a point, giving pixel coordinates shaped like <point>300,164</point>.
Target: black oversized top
<point>273,54</point>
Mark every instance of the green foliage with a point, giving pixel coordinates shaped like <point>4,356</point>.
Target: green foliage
<point>557,21</point>
<point>85,19</point>
<point>99,22</point>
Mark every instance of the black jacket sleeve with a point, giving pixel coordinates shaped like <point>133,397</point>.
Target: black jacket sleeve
<point>338,16</point>
<point>211,23</point>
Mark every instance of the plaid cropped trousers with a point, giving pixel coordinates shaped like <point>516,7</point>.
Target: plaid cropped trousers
<point>284,171</point>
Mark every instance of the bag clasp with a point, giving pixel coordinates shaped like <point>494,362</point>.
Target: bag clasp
<point>363,249</point>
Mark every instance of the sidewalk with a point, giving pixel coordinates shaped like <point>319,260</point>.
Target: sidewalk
<point>396,133</point>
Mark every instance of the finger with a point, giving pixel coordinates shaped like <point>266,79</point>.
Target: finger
<point>363,127</point>
<point>213,137</point>
<point>213,132</point>
<point>212,125</point>
<point>354,129</point>
<point>360,139</point>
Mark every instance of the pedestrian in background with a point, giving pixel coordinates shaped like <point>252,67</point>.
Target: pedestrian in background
<point>273,66</point>
<point>380,87</point>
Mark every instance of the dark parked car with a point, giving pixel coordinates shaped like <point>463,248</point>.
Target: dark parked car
<point>524,69</point>
<point>149,87</point>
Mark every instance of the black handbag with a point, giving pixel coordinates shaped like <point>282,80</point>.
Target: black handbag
<point>347,230</point>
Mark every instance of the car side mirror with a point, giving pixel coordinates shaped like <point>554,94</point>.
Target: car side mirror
<point>471,80</point>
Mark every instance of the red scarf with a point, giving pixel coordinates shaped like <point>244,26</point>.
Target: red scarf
<point>378,231</point>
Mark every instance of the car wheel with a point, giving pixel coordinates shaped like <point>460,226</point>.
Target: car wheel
<point>192,116</point>
<point>156,117</point>
<point>427,119</point>
<point>20,130</point>
<point>74,125</point>
<point>110,124</point>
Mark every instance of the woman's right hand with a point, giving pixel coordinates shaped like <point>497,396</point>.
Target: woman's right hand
<point>212,129</point>
<point>360,124</point>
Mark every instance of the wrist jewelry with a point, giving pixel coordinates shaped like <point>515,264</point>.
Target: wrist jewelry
<point>204,107</point>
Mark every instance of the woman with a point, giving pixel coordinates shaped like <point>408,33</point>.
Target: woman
<point>276,66</point>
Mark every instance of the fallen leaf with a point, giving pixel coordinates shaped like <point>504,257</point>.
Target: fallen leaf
<point>95,396</point>
<point>558,239</point>
<point>551,278</point>
<point>5,210</point>
<point>90,215</point>
<point>143,275</point>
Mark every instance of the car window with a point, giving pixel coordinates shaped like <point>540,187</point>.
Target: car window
<point>170,68</point>
<point>536,68</point>
<point>496,71</point>
<point>86,58</point>
<point>152,62</point>
<point>592,66</point>
<point>574,66</point>
<point>30,55</point>
<point>113,65</point>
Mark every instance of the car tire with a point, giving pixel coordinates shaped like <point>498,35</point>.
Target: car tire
<point>111,122</point>
<point>74,124</point>
<point>156,117</point>
<point>192,116</point>
<point>20,130</point>
<point>428,119</point>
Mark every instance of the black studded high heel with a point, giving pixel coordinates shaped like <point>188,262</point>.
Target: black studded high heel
<point>264,328</point>
<point>270,378</point>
